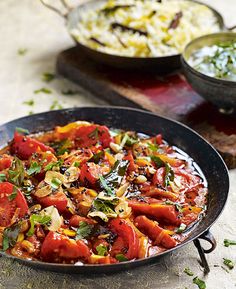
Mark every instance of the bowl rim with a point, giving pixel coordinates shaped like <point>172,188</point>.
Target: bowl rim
<point>198,73</point>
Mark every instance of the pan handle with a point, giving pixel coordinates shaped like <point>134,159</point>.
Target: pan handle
<point>65,5</point>
<point>207,236</point>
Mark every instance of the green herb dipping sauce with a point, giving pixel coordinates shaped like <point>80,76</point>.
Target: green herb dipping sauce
<point>217,61</point>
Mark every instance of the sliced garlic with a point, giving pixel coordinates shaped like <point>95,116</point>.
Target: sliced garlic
<point>141,179</point>
<point>122,209</point>
<point>71,174</point>
<point>115,147</point>
<point>101,215</point>
<point>122,189</point>
<point>52,175</point>
<point>43,192</point>
<point>56,220</point>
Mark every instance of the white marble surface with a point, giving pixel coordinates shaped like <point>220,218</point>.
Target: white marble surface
<point>25,24</point>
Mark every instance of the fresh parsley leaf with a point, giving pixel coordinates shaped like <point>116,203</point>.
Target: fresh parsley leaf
<point>10,235</point>
<point>121,258</point>
<point>101,250</point>
<point>158,161</point>
<point>61,147</point>
<point>69,92</point>
<point>13,195</point>
<point>228,242</point>
<point>29,102</point>
<point>128,141</point>
<point>51,165</point>
<point>104,208</point>
<point>181,228</point>
<point>37,219</point>
<point>229,263</point>
<point>96,157</point>
<point>56,105</point>
<point>169,175</point>
<point>2,178</point>
<point>16,172</point>
<point>200,283</point>
<point>105,185</point>
<point>43,90</point>
<point>30,112</point>
<point>188,271</point>
<point>34,169</point>
<point>55,183</point>
<point>83,231</point>
<point>48,77</point>
<point>22,51</point>
<point>153,147</point>
<point>94,134</point>
<point>76,164</point>
<point>22,130</point>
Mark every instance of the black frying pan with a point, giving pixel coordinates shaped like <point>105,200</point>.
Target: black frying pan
<point>175,133</point>
<point>160,64</point>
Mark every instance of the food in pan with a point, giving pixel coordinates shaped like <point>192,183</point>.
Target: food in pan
<point>217,61</point>
<point>150,28</point>
<point>88,194</point>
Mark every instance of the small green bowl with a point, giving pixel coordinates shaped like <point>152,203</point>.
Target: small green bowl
<point>220,92</point>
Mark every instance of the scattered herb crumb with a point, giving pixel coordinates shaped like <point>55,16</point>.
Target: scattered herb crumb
<point>30,112</point>
<point>228,242</point>
<point>225,269</point>
<point>29,102</point>
<point>188,271</point>
<point>43,90</point>
<point>48,76</point>
<point>22,130</point>
<point>56,105</point>
<point>200,283</point>
<point>229,263</point>
<point>69,92</point>
<point>22,51</point>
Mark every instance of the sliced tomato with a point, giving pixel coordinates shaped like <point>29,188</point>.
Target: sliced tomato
<point>160,212</point>
<point>5,161</point>
<point>154,192</point>
<point>90,172</point>
<point>154,232</point>
<point>132,166</point>
<point>81,156</point>
<point>158,178</point>
<point>158,139</point>
<point>58,199</point>
<point>102,260</point>
<point>9,205</point>
<point>90,135</point>
<point>76,219</point>
<point>57,247</point>
<point>24,146</point>
<point>127,240</point>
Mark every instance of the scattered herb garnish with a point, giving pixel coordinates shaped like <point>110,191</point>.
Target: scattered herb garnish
<point>96,157</point>
<point>69,92</point>
<point>56,105</point>
<point>37,219</point>
<point>35,168</point>
<point>30,112</point>
<point>153,147</point>
<point>16,172</point>
<point>121,258</point>
<point>228,242</point>
<point>158,161</point>
<point>83,231</point>
<point>105,185</point>
<point>106,207</point>
<point>101,250</point>
<point>109,10</point>
<point>55,183</point>
<point>51,165</point>
<point>10,236</point>
<point>128,141</point>
<point>169,175</point>
<point>175,22</point>
<point>188,271</point>
<point>76,164</point>
<point>43,90</point>
<point>124,28</point>
<point>22,51</point>
<point>22,130</point>
<point>29,102</point>
<point>229,263</point>
<point>62,146</point>
<point>94,134</point>
<point>48,77</point>
<point>200,283</point>
<point>13,195</point>
<point>2,178</point>
<point>97,41</point>
<point>181,228</point>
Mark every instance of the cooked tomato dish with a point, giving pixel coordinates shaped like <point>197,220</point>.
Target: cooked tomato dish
<point>88,194</point>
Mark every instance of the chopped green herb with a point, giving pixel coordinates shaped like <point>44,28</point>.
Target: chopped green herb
<point>37,219</point>
<point>121,258</point>
<point>200,283</point>
<point>76,164</point>
<point>229,263</point>
<point>29,102</point>
<point>2,178</point>
<point>13,195</point>
<point>96,157</point>
<point>127,140</point>
<point>83,231</point>
<point>22,51</point>
<point>43,90</point>
<point>153,147</point>
<point>105,185</point>
<point>169,175</point>
<point>62,146</point>
<point>181,228</point>
<point>30,112</point>
<point>22,130</point>
<point>158,161</point>
<point>188,271</point>
<point>10,236</point>
<point>69,92</point>
<point>56,105</point>
<point>101,250</point>
<point>106,207</point>
<point>16,172</point>
<point>228,242</point>
<point>48,77</point>
<point>52,165</point>
<point>35,168</point>
<point>94,134</point>
<point>55,183</point>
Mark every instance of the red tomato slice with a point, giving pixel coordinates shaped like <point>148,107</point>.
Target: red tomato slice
<point>158,178</point>
<point>24,146</point>
<point>90,172</point>
<point>59,200</point>
<point>57,247</point>
<point>76,219</point>
<point>154,232</point>
<point>5,162</point>
<point>127,238</point>
<point>132,166</point>
<point>8,207</point>
<point>90,135</point>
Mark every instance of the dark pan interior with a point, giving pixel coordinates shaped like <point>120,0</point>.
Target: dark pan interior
<point>175,133</point>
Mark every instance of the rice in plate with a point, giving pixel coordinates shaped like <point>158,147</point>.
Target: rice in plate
<point>149,28</point>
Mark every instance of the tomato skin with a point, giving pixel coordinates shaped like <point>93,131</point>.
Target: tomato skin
<point>5,162</point>
<point>59,200</point>
<point>164,213</point>
<point>154,232</point>
<point>132,166</point>
<point>126,235</point>
<point>158,178</point>
<point>24,146</point>
<point>57,247</point>
<point>76,219</point>
<point>154,192</point>
<point>8,207</point>
<point>158,139</point>
<point>90,172</point>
